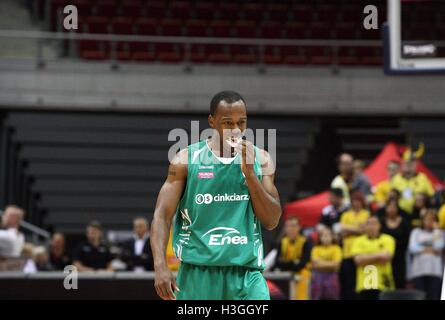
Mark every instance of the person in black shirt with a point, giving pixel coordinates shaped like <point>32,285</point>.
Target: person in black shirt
<point>58,256</point>
<point>93,255</point>
<point>136,252</point>
<point>330,215</point>
<point>397,225</point>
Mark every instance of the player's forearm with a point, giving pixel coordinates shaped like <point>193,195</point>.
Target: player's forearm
<point>160,232</point>
<point>266,207</point>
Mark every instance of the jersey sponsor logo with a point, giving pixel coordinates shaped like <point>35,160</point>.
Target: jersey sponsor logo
<point>221,236</point>
<point>207,198</point>
<point>205,175</point>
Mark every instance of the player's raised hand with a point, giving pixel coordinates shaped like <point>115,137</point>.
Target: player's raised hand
<point>248,157</point>
<point>165,284</point>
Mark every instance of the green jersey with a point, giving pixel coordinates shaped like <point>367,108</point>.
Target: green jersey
<point>215,224</point>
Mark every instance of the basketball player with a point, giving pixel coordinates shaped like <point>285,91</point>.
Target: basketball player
<point>220,192</point>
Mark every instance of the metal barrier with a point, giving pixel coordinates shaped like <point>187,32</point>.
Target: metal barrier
<point>101,285</point>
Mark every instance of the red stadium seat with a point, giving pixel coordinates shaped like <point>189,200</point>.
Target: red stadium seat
<point>245,29</point>
<point>253,11</point>
<point>319,55</point>
<point>229,11</point>
<point>122,25</point>
<point>302,14</point>
<point>217,53</point>
<point>105,8</point>
<point>180,10</point>
<point>171,27</point>
<point>347,56</point>
<point>320,31</point>
<point>278,12</point>
<point>141,51</point>
<point>123,51</point>
<point>94,50</point>
<point>327,14</point>
<point>244,54</point>
<point>352,15</point>
<point>369,55</point>
<point>198,53</point>
<point>204,10</point>
<point>270,29</point>
<point>132,9</point>
<point>146,26</point>
<point>221,28</point>
<point>296,30</point>
<point>97,25</point>
<point>197,28</point>
<point>156,9</point>
<point>272,55</point>
<point>345,31</point>
<point>168,52</point>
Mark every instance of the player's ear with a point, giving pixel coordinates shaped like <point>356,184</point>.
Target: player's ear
<point>211,121</point>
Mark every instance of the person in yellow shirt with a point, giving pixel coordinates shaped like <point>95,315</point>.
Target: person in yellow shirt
<point>325,263</point>
<point>383,188</point>
<point>172,261</point>
<point>373,253</point>
<point>441,216</point>
<point>293,254</point>
<point>351,226</point>
<point>409,182</point>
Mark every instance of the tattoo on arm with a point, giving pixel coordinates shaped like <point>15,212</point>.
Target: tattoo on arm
<point>171,173</point>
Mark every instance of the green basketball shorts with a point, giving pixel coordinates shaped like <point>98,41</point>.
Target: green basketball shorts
<point>220,283</point>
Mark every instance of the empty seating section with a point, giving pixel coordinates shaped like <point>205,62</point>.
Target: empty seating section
<point>71,168</point>
<point>430,132</point>
<point>339,19</point>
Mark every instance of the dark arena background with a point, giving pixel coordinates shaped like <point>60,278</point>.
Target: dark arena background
<point>90,91</point>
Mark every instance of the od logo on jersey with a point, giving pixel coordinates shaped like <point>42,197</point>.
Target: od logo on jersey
<point>207,198</point>
<point>221,236</point>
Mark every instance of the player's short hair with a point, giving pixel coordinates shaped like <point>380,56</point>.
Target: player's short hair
<point>227,96</point>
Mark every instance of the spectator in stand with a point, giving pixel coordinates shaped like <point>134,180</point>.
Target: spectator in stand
<point>441,217</point>
<point>373,253</point>
<point>409,182</point>
<point>351,225</point>
<point>172,261</point>
<point>94,254</point>
<point>294,254</point>
<point>360,181</point>
<point>136,252</point>
<point>393,195</point>
<point>426,244</point>
<point>397,226</point>
<point>343,181</point>
<point>383,188</point>
<point>41,259</point>
<point>330,215</point>
<point>11,239</point>
<point>58,256</point>
<point>421,205</point>
<point>325,261</point>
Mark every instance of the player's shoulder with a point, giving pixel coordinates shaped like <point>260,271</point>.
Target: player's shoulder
<point>180,158</point>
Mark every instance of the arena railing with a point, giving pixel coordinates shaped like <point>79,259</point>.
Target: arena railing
<point>96,284</point>
<point>73,37</point>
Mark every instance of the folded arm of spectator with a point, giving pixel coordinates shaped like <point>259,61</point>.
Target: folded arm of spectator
<point>325,265</point>
<point>367,259</point>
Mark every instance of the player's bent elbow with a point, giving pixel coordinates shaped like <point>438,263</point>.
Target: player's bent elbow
<point>270,226</point>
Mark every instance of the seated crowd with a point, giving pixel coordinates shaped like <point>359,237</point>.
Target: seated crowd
<point>370,240</point>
